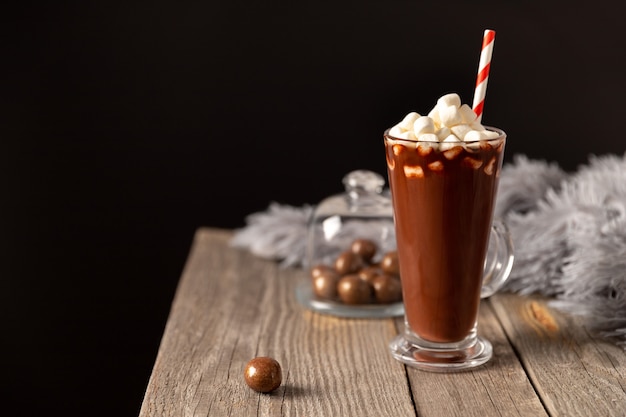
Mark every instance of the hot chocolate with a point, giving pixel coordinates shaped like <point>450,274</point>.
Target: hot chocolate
<point>443,203</point>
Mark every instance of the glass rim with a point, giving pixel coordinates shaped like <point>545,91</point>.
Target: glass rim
<point>502,135</point>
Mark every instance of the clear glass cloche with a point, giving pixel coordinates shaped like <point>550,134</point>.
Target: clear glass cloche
<point>351,267</point>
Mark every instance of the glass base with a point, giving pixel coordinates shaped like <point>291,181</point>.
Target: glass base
<point>441,357</point>
<point>305,296</point>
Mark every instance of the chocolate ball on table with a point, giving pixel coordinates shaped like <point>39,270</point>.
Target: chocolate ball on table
<point>263,374</point>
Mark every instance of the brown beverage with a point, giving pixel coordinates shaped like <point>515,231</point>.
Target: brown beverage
<point>443,204</point>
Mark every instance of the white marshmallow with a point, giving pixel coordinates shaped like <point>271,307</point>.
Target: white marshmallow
<point>467,114</point>
<point>471,162</point>
<point>426,148</point>
<point>474,135</point>
<point>451,99</point>
<point>473,145</point>
<point>449,143</point>
<point>407,135</point>
<point>423,124</point>
<point>460,130</point>
<point>448,122</point>
<point>451,154</point>
<point>491,166</point>
<point>395,131</point>
<point>436,166</point>
<point>409,119</point>
<point>443,133</point>
<point>413,171</point>
<point>450,116</point>
<point>476,125</point>
<point>451,138</point>
<point>490,134</point>
<point>428,137</point>
<point>434,114</point>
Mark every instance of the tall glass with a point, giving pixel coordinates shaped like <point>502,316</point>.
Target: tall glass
<point>443,198</point>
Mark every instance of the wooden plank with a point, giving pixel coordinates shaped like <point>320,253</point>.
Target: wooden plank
<point>230,307</point>
<point>575,374</point>
<point>499,387</point>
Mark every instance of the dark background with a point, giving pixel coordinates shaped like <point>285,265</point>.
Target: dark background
<point>124,127</point>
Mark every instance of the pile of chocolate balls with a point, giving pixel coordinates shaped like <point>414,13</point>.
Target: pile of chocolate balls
<point>355,278</point>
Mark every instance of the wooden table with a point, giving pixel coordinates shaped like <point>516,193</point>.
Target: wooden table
<point>231,306</point>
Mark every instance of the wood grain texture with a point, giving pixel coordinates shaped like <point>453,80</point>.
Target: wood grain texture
<point>231,306</point>
<point>499,388</point>
<point>574,373</point>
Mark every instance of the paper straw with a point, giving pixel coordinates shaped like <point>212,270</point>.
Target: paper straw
<point>483,73</point>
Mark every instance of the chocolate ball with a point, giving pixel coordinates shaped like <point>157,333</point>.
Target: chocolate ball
<point>320,269</point>
<point>325,284</point>
<point>348,262</point>
<point>353,290</point>
<point>263,374</point>
<point>365,248</point>
<point>389,263</point>
<point>368,273</point>
<point>387,289</point>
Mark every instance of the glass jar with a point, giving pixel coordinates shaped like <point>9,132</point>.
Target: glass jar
<point>351,263</point>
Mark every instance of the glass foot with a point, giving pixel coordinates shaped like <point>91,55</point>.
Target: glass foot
<point>441,357</point>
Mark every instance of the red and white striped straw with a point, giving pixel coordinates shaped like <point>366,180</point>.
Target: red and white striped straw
<point>483,73</point>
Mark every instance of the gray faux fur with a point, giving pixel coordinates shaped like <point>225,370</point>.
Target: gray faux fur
<point>571,244</point>
<point>569,232</point>
<point>279,234</point>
